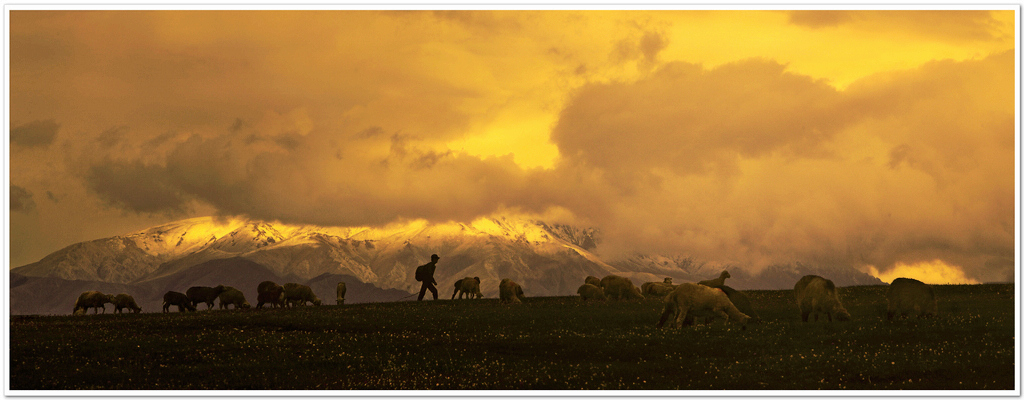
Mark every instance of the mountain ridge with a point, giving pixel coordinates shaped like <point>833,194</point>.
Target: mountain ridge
<point>546,259</point>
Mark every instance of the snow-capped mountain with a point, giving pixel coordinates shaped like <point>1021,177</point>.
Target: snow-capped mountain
<point>546,259</point>
<point>538,255</point>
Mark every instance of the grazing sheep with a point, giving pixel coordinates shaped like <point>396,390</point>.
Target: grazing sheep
<point>593,280</point>
<point>125,300</point>
<point>266,286</point>
<point>469,287</point>
<point>269,292</point>
<point>94,300</point>
<point>178,299</point>
<point>233,296</point>
<point>617,287</point>
<point>690,300</point>
<point>741,301</point>
<point>717,282</point>
<point>341,293</point>
<point>296,294</point>
<point>815,294</point>
<point>590,292</point>
<point>274,296</point>
<point>510,292</point>
<point>906,295</point>
<point>204,294</point>
<point>657,288</point>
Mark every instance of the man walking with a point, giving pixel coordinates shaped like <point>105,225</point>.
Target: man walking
<point>425,274</point>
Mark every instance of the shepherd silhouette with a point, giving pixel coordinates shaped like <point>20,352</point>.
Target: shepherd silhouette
<point>425,274</point>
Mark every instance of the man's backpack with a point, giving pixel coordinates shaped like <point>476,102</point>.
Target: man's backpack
<point>420,272</point>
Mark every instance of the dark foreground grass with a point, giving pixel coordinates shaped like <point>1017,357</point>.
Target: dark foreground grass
<point>545,343</point>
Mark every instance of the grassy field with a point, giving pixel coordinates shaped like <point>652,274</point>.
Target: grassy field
<point>545,343</point>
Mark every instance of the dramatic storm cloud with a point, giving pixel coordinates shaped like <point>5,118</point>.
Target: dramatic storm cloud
<point>880,140</point>
<point>747,164</point>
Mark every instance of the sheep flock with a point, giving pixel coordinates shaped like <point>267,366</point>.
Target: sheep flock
<point>816,298</point>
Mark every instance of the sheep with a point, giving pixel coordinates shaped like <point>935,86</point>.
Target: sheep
<point>590,292</point>
<point>593,280</point>
<point>690,300</point>
<point>741,301</point>
<point>469,287</point>
<point>204,294</point>
<point>296,294</point>
<point>178,299</point>
<point>269,292</point>
<point>275,297</point>
<point>617,287</point>
<point>657,288</point>
<point>234,296</point>
<point>717,282</point>
<point>266,286</point>
<point>907,295</point>
<point>93,299</point>
<point>815,294</point>
<point>125,300</point>
<point>668,280</point>
<point>341,293</point>
<point>510,292</point>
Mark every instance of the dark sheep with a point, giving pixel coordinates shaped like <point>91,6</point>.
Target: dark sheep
<point>510,292</point>
<point>269,292</point>
<point>741,301</point>
<point>92,299</point>
<point>275,297</point>
<point>232,296</point>
<point>618,287</point>
<point>907,295</point>
<point>178,299</point>
<point>125,300</point>
<point>657,288</point>
<point>266,286</point>
<point>590,292</point>
<point>818,295</point>
<point>295,293</point>
<point>204,294</point>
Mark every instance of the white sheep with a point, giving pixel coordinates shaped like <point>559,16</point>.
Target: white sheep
<point>906,295</point>
<point>510,292</point>
<point>815,294</point>
<point>593,280</point>
<point>617,287</point>
<point>690,300</point>
<point>717,282</point>
<point>657,288</point>
<point>590,292</point>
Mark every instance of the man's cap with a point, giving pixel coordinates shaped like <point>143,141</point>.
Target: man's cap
<point>434,257</point>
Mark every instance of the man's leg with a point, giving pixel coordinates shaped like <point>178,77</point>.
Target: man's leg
<point>433,290</point>
<point>423,291</point>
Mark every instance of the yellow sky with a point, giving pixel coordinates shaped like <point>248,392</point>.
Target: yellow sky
<point>746,137</point>
<point>838,54</point>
